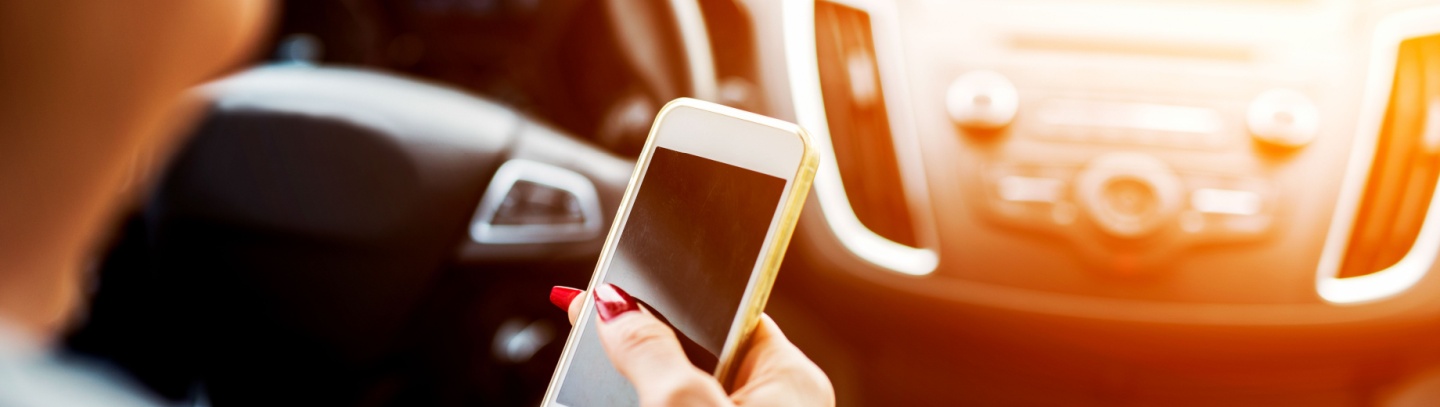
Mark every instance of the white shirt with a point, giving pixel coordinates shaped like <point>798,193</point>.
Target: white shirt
<point>32,375</point>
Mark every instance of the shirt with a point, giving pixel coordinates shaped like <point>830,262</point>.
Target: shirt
<point>32,375</point>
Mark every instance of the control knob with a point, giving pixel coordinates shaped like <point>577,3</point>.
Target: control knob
<point>1283,118</point>
<point>982,100</point>
<point>1128,194</point>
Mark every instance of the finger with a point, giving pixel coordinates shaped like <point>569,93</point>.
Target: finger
<point>768,333</point>
<point>575,306</point>
<point>767,343</point>
<point>646,352</point>
<point>564,298</point>
<point>772,363</point>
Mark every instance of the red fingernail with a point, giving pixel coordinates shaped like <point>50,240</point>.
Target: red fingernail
<point>562,296</point>
<point>611,301</point>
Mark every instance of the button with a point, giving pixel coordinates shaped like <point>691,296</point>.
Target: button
<point>1129,197</point>
<point>1226,201</point>
<point>1029,189</point>
<point>1129,194</point>
<point>982,100</point>
<point>1284,118</point>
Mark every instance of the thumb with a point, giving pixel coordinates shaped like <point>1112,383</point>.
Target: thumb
<point>646,352</point>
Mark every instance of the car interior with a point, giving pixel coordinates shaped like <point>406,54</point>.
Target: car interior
<point>1019,202</point>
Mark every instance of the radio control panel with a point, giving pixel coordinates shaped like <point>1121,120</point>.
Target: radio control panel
<point>1139,151</point>
<point>1128,203</point>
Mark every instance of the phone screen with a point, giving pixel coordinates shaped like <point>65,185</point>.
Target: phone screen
<point>687,252</point>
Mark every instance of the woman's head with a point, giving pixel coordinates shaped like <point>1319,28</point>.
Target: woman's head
<point>86,87</point>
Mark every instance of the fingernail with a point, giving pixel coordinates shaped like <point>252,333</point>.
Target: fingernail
<point>611,302</point>
<point>562,296</point>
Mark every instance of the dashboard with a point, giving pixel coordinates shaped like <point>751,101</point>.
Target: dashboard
<point>1215,164</point>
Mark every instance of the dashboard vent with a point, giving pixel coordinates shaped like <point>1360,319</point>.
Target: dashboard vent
<point>1406,165</point>
<point>859,125</point>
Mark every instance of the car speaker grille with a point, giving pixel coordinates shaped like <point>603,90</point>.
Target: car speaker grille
<point>1406,165</point>
<point>859,124</point>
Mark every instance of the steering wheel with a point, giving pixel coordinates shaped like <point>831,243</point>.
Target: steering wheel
<point>660,59</point>
<point>666,45</point>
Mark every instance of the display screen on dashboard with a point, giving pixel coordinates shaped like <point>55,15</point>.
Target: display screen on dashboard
<point>687,252</point>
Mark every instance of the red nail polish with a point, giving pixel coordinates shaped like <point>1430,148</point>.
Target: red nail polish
<point>611,301</point>
<point>562,296</point>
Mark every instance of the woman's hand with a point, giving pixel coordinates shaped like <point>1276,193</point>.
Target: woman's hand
<point>772,372</point>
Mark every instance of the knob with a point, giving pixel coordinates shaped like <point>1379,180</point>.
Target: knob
<point>1283,118</point>
<point>1128,194</point>
<point>982,100</point>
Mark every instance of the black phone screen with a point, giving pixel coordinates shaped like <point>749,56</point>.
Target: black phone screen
<point>687,252</point>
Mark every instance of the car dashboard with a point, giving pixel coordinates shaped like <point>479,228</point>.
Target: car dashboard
<point>1230,164</point>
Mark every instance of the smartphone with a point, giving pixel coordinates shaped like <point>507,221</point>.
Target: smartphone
<point>698,239</point>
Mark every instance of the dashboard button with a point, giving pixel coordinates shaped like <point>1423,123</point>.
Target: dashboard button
<point>1129,194</point>
<point>1129,197</point>
<point>1029,189</point>
<point>1284,118</point>
<point>1226,201</point>
<point>982,100</point>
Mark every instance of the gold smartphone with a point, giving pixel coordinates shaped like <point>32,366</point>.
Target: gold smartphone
<point>698,239</point>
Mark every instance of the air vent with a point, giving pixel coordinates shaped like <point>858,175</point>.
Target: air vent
<point>1406,164</point>
<point>860,130</point>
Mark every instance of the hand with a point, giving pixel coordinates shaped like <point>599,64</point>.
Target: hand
<point>772,371</point>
